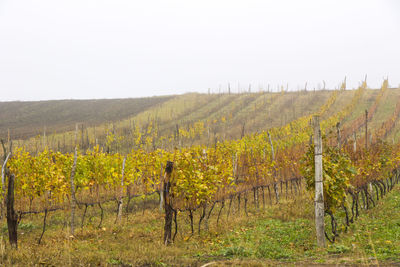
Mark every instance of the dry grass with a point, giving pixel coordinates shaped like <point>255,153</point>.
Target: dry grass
<point>136,241</point>
<point>280,235</point>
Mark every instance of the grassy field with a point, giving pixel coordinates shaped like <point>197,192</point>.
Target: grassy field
<point>281,234</point>
<point>27,119</point>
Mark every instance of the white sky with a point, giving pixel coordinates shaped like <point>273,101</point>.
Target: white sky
<point>56,49</point>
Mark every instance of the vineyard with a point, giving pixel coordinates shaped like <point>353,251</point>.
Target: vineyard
<point>196,178</point>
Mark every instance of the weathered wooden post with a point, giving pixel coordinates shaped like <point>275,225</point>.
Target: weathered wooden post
<point>73,199</point>
<point>12,218</point>
<point>319,188</point>
<point>339,140</point>
<point>44,138</point>
<point>82,139</point>
<point>177,137</point>
<point>355,142</point>
<point>3,168</point>
<point>161,206</point>
<point>273,160</point>
<point>169,211</point>
<point>243,130</point>
<point>3,181</point>
<point>366,129</point>
<point>121,193</point>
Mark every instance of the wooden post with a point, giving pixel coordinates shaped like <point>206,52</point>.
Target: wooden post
<point>168,203</point>
<point>73,199</point>
<point>94,135</point>
<point>161,190</point>
<point>272,147</point>
<point>366,129</point>
<point>234,167</point>
<point>273,160</point>
<point>12,218</point>
<point>355,143</point>
<point>121,192</point>
<point>82,139</point>
<point>3,180</point>
<point>177,133</point>
<point>3,183</point>
<point>319,188</point>
<point>3,168</point>
<point>365,81</point>
<point>339,141</point>
<point>87,139</point>
<point>44,138</point>
<point>64,150</point>
<point>243,129</point>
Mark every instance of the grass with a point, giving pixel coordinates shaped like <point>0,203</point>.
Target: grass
<point>366,101</point>
<point>343,99</point>
<point>377,233</point>
<point>27,119</point>
<point>373,239</point>
<point>283,234</point>
<point>385,108</point>
<point>269,239</point>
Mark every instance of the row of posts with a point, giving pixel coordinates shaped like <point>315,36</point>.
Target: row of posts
<point>166,190</point>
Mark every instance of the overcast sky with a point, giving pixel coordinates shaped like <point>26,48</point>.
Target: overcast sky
<point>57,49</point>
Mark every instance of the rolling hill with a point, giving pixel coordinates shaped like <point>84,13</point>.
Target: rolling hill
<point>223,116</point>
